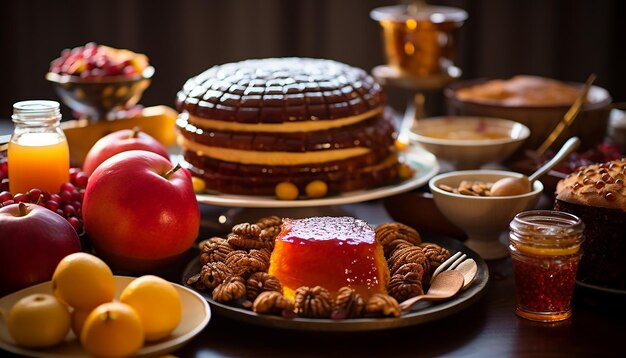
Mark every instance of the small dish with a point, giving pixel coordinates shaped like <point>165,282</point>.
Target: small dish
<point>195,316</point>
<point>469,142</point>
<point>482,218</point>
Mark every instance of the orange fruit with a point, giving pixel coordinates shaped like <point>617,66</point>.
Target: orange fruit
<point>316,189</point>
<point>38,321</point>
<point>78,320</point>
<point>198,184</point>
<point>286,191</point>
<point>158,304</point>
<point>112,329</point>
<point>83,281</point>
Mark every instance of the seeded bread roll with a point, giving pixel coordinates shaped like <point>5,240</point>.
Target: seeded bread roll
<point>598,185</point>
<point>597,195</point>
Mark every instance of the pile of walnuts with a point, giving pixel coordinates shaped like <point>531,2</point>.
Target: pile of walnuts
<point>234,270</point>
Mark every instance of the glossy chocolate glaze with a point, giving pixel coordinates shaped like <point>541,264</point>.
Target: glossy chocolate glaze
<point>278,90</point>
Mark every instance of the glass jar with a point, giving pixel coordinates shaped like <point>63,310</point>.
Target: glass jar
<point>545,251</point>
<point>38,152</point>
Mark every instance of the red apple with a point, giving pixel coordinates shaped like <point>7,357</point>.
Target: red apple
<point>140,213</point>
<point>33,240</point>
<point>121,141</point>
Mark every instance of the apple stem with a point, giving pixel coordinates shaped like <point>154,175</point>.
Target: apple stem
<point>39,199</point>
<point>135,132</point>
<point>172,171</point>
<point>22,208</point>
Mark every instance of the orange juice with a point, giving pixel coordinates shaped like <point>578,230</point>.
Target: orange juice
<point>38,160</point>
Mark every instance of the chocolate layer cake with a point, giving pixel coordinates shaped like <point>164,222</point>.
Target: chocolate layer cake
<point>247,126</point>
<point>597,194</point>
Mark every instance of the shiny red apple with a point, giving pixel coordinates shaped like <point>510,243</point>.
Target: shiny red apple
<point>33,240</point>
<point>121,141</point>
<point>139,212</point>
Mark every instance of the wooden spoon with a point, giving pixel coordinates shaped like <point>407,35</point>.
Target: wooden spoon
<point>523,185</point>
<point>445,285</point>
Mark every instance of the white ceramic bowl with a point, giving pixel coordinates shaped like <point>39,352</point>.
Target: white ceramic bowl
<point>482,218</point>
<point>471,141</point>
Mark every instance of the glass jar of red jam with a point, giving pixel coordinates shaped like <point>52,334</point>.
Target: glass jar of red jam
<point>545,251</point>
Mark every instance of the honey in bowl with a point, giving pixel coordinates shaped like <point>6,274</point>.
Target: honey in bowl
<point>465,134</point>
<point>332,252</point>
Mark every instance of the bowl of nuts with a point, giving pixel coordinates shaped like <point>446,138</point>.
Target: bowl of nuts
<point>469,142</point>
<point>464,198</point>
<point>96,80</point>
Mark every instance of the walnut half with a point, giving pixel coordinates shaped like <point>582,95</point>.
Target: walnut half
<point>381,303</point>
<point>260,282</point>
<point>272,302</point>
<point>232,288</point>
<point>313,302</point>
<point>348,304</point>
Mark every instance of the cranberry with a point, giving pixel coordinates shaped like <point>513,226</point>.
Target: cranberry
<point>52,205</point>
<point>21,198</point>
<point>81,180</point>
<point>33,195</point>
<point>67,187</point>
<point>5,195</point>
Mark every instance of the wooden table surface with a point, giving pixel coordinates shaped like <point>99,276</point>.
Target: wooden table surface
<point>488,328</point>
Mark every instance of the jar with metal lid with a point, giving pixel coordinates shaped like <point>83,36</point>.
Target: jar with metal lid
<point>38,152</point>
<point>545,252</point>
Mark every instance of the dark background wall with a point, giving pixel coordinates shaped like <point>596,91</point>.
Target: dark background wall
<point>565,39</point>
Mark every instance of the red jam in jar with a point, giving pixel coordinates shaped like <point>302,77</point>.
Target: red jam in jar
<point>545,251</point>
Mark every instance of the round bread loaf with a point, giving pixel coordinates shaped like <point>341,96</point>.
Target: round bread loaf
<point>597,194</point>
<point>599,185</point>
<point>247,126</point>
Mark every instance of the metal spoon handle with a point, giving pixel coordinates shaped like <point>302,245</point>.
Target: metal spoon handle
<point>565,150</point>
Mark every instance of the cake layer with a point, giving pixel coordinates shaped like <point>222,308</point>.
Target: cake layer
<point>283,127</point>
<point>331,252</point>
<point>278,90</point>
<point>374,132</point>
<point>341,176</point>
<point>270,157</point>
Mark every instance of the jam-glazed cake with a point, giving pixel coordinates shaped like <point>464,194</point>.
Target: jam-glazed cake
<point>245,127</point>
<point>331,252</point>
<point>597,195</point>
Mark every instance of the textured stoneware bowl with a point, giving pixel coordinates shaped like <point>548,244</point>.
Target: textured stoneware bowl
<point>590,125</point>
<point>482,218</point>
<point>465,151</point>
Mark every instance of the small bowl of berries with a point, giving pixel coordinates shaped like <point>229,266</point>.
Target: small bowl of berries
<point>95,80</point>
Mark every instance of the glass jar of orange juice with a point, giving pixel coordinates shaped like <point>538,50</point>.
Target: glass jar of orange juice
<point>38,153</point>
<point>545,251</point>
